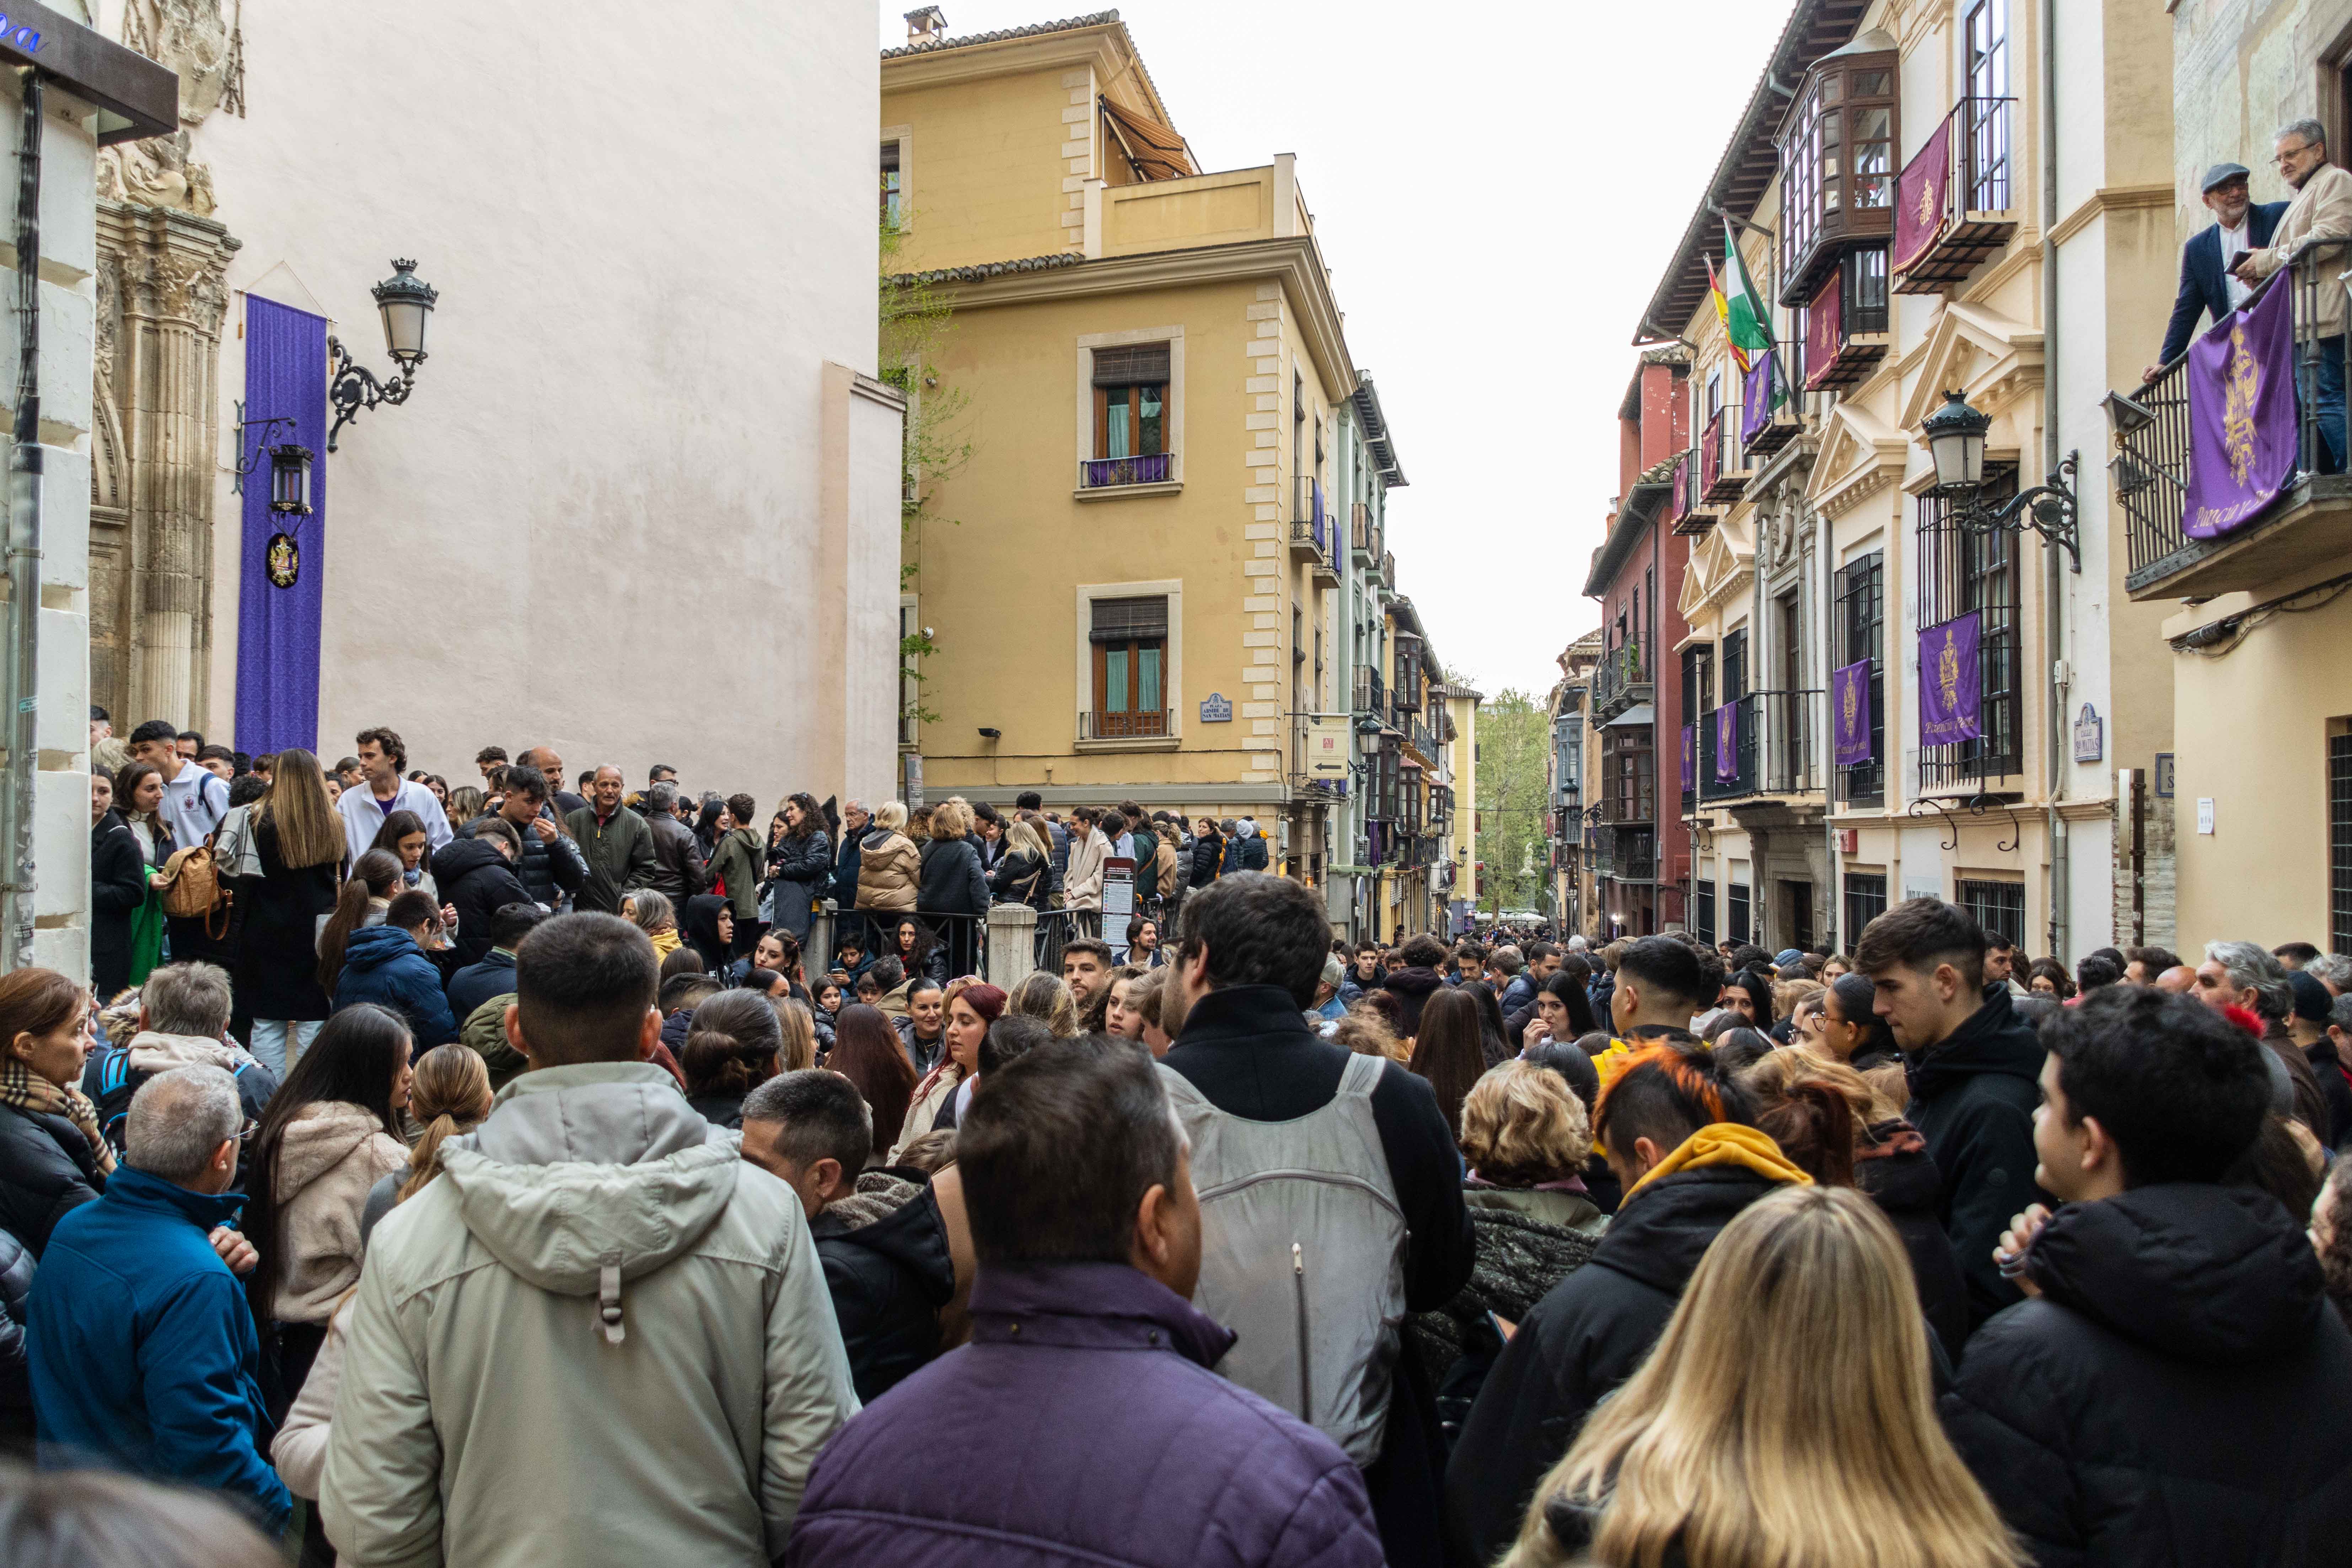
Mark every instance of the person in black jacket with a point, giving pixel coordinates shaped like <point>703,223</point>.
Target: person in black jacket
<point>1251,956</point>
<point>2177,1389</point>
<point>951,890</point>
<point>493,974</point>
<point>1973,1066</point>
<point>801,866</point>
<point>15,1363</point>
<point>1412,985</point>
<point>476,877</point>
<point>881,1239</point>
<point>52,1157</point>
<point>551,864</point>
<point>678,870</point>
<point>1679,1136</point>
<point>118,885</point>
<point>1208,854</point>
<point>847,857</point>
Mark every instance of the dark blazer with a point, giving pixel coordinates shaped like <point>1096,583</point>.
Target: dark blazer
<point>2203,290</point>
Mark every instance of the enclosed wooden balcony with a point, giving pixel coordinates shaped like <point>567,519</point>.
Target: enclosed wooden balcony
<point>1837,163</point>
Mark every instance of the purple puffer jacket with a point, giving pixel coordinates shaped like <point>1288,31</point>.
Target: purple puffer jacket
<point>1082,1424</point>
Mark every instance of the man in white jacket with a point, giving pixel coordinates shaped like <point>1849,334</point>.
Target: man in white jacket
<point>600,1336</point>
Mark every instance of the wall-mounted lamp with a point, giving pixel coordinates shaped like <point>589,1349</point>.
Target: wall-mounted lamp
<point>405,303</point>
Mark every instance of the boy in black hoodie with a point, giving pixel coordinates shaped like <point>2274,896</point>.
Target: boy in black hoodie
<point>1972,1064</point>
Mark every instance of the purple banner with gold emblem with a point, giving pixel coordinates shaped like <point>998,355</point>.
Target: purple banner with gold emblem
<point>1951,681</point>
<point>1690,776</point>
<point>1849,714</point>
<point>1824,333</point>
<point>2241,416</point>
<point>1727,741</point>
<point>1756,396</point>
<point>1919,197</point>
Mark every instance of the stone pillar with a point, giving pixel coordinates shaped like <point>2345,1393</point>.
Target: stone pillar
<point>157,385</point>
<point>1012,944</point>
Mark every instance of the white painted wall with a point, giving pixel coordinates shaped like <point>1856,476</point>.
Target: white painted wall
<point>69,310</point>
<point>596,523</point>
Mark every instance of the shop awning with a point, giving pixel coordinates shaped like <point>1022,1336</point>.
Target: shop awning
<point>1155,150</point>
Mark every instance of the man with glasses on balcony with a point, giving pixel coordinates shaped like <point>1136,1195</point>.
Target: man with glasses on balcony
<point>2240,224</point>
<point>2319,218</point>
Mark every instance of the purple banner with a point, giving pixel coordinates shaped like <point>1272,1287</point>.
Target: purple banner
<point>1756,396</point>
<point>1849,714</point>
<point>1690,776</point>
<point>1824,333</point>
<point>278,628</point>
<point>1951,681</point>
<point>1727,741</point>
<point>1919,197</point>
<point>2242,418</point>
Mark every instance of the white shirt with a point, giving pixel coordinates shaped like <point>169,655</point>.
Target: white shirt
<point>193,805</point>
<point>364,816</point>
<point>2234,240</point>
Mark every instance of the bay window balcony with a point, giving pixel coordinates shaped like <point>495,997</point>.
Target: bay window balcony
<point>1837,163</point>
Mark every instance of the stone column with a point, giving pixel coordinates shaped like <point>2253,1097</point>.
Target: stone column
<point>160,384</point>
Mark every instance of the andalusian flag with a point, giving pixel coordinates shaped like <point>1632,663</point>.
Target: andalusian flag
<point>1746,319</point>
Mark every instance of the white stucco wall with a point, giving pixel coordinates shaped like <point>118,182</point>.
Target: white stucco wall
<point>69,309</point>
<point>596,522</point>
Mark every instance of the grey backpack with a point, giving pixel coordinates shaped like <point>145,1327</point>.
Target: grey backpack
<point>1302,1255</point>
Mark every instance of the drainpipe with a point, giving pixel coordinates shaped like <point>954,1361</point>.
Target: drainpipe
<point>20,683</point>
<point>2052,582</point>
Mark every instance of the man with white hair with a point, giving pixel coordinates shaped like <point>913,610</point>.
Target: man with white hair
<point>2246,976</point>
<point>143,1353</point>
<point>2315,225</point>
<point>184,1014</point>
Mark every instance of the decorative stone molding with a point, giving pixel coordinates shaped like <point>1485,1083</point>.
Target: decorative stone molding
<point>207,53</point>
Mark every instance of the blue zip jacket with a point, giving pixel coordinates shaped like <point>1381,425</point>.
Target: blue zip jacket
<point>145,1357</point>
<point>384,965</point>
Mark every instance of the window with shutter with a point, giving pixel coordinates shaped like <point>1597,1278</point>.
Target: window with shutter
<point>1129,638</point>
<point>1131,402</point>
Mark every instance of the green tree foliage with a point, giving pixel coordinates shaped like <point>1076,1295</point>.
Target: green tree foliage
<point>915,317</point>
<point>1514,740</point>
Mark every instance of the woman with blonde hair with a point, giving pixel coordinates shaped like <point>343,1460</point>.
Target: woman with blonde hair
<point>1786,1417</point>
<point>654,914</point>
<point>889,868</point>
<point>1526,1136</point>
<point>299,840</point>
<point>1039,995</point>
<point>1023,874</point>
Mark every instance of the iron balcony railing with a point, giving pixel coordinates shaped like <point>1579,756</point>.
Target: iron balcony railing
<point>1727,751</point>
<point>1789,766</point>
<point>1102,724</point>
<point>1099,473</point>
<point>2152,438</point>
<point>1722,461</point>
<point>1625,854</point>
<point>1309,528</point>
<point>1617,675</point>
<point>1363,536</point>
<point>1371,696</point>
<point>1972,220</point>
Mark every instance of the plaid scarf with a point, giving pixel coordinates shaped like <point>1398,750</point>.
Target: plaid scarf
<point>28,1091</point>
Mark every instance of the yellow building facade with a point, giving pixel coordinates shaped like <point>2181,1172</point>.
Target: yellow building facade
<point>1131,584</point>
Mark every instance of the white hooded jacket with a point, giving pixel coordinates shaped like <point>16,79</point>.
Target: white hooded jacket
<point>600,1336</point>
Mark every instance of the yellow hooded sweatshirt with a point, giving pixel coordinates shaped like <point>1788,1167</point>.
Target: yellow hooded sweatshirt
<point>1726,1144</point>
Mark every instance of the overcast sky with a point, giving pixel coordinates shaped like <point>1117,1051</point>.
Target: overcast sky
<point>1496,189</point>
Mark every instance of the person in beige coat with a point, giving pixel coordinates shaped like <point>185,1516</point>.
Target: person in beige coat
<point>326,1139</point>
<point>889,868</point>
<point>2320,213</point>
<point>600,1336</point>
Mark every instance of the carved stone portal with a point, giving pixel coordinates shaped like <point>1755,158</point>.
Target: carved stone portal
<point>163,294</point>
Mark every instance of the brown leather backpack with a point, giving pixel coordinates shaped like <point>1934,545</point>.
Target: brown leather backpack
<point>196,888</point>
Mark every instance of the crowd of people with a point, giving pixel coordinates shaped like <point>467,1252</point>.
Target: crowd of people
<point>491,1176</point>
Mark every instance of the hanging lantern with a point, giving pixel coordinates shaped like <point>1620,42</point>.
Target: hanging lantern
<point>289,479</point>
<point>405,303</point>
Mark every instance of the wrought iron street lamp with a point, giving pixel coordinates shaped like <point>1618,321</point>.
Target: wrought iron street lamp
<point>405,303</point>
<point>289,479</point>
<point>1955,434</point>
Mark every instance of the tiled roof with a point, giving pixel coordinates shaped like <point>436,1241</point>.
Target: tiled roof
<point>984,270</point>
<point>1100,18</point>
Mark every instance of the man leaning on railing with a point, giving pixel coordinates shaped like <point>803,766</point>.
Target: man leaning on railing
<point>2320,212</point>
<point>2240,223</point>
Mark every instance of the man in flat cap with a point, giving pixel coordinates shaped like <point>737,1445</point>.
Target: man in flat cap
<point>2239,225</point>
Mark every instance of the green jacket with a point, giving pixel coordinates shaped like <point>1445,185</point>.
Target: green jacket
<point>484,1033</point>
<point>596,1262</point>
<point>737,862</point>
<point>620,857</point>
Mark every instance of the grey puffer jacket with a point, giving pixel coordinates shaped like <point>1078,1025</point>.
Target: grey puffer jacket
<point>594,1260</point>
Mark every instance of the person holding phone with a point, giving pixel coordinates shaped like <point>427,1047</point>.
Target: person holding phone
<point>2209,286</point>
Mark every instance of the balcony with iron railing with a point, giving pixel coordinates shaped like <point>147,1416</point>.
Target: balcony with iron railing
<point>1771,405</point>
<point>1310,531</point>
<point>1722,461</point>
<point>1790,765</point>
<point>1770,750</point>
<point>1960,180</point>
<point>1371,696</point>
<point>1688,512</point>
<point>1627,854</point>
<point>1727,751</point>
<point>2309,525</point>
<point>1363,534</point>
<point>1620,681</point>
<point>1113,473</point>
<point>1845,322</point>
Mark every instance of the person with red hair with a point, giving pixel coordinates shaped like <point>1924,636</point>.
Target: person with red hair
<point>973,1006</point>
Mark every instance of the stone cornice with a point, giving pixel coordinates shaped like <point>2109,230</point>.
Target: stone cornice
<point>1293,260</point>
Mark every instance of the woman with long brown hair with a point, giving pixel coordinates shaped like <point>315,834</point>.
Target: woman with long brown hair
<point>361,902</point>
<point>1450,1050</point>
<point>138,800</point>
<point>865,1052</point>
<point>1786,1417</point>
<point>52,1157</point>
<point>299,842</point>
